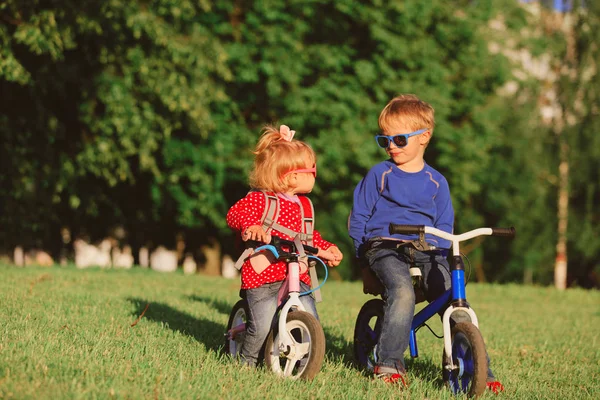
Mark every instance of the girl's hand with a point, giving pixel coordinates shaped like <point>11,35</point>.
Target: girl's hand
<point>257,233</point>
<point>332,256</point>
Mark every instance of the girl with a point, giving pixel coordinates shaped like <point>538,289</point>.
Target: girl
<point>283,167</point>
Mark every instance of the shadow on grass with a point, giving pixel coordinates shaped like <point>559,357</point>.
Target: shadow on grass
<point>337,347</point>
<point>203,330</point>
<point>224,307</point>
<point>425,369</point>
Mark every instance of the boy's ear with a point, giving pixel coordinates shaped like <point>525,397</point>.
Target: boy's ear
<point>425,137</point>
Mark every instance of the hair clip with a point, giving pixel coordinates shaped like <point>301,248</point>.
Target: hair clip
<point>285,133</point>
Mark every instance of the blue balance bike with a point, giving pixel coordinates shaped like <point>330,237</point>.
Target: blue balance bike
<point>464,360</point>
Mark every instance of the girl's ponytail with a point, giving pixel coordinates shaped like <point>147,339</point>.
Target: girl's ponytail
<point>272,135</point>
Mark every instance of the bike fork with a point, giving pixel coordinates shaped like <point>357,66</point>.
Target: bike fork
<point>291,285</point>
<point>458,305</point>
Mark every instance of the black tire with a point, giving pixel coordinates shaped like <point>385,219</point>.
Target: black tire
<point>239,315</point>
<point>366,333</point>
<point>468,353</point>
<point>309,348</point>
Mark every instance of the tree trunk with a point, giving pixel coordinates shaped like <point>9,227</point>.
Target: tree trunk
<point>212,254</point>
<point>560,122</point>
<point>560,265</point>
<point>559,22</point>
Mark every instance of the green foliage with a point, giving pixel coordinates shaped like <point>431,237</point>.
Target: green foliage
<point>113,83</point>
<point>144,114</point>
<point>328,69</point>
<point>580,98</point>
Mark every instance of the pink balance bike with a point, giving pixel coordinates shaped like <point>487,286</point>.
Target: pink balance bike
<point>295,346</point>
<point>464,360</point>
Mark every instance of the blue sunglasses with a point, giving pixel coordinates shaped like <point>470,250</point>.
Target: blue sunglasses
<point>400,140</point>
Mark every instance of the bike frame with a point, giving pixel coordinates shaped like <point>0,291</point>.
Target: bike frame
<point>290,289</point>
<point>456,296</point>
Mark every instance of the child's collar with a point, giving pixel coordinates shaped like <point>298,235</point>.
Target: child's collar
<point>293,199</point>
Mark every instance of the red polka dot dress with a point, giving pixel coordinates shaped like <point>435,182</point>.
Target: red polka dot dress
<point>247,212</point>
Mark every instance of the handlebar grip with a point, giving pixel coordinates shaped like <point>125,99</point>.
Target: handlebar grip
<point>277,241</point>
<point>508,232</point>
<point>253,244</point>
<point>310,249</point>
<point>406,229</point>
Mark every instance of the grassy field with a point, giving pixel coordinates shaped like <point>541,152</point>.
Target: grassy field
<point>68,334</point>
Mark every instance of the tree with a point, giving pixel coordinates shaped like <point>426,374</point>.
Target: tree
<point>100,97</point>
<point>328,69</point>
<point>579,96</point>
<point>144,114</point>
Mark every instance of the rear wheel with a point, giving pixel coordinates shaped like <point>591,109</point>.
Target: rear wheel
<point>366,333</point>
<point>470,362</point>
<point>304,358</point>
<point>236,330</point>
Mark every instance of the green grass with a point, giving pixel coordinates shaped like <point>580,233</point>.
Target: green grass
<point>67,334</point>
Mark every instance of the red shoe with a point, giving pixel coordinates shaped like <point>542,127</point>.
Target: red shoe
<point>397,378</point>
<point>495,387</point>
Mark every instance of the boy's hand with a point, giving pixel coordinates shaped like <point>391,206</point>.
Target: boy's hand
<point>332,256</point>
<point>257,233</point>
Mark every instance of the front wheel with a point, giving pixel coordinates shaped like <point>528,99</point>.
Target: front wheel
<point>236,328</point>
<point>470,361</point>
<point>366,333</point>
<point>304,358</point>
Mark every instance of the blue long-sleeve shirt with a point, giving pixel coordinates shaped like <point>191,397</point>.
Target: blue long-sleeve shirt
<point>388,194</point>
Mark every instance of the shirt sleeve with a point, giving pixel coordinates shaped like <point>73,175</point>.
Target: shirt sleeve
<point>319,242</point>
<point>246,212</point>
<point>445,212</point>
<point>366,194</point>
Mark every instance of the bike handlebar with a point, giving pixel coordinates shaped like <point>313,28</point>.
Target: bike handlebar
<point>418,229</point>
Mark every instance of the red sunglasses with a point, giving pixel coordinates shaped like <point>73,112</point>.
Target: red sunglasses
<point>312,170</point>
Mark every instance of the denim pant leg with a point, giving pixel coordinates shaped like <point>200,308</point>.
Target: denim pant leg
<point>436,279</point>
<point>436,274</point>
<point>308,301</point>
<point>392,270</point>
<point>262,305</point>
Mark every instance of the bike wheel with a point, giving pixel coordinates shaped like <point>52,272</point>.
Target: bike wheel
<point>469,359</point>
<point>366,333</point>
<point>305,357</point>
<point>234,340</point>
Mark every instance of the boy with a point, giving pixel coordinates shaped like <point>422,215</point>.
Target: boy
<point>404,190</point>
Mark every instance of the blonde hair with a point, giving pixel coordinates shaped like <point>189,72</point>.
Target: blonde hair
<point>275,156</point>
<point>409,110</point>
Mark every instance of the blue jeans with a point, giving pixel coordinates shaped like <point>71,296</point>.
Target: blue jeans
<point>262,305</point>
<point>392,268</point>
